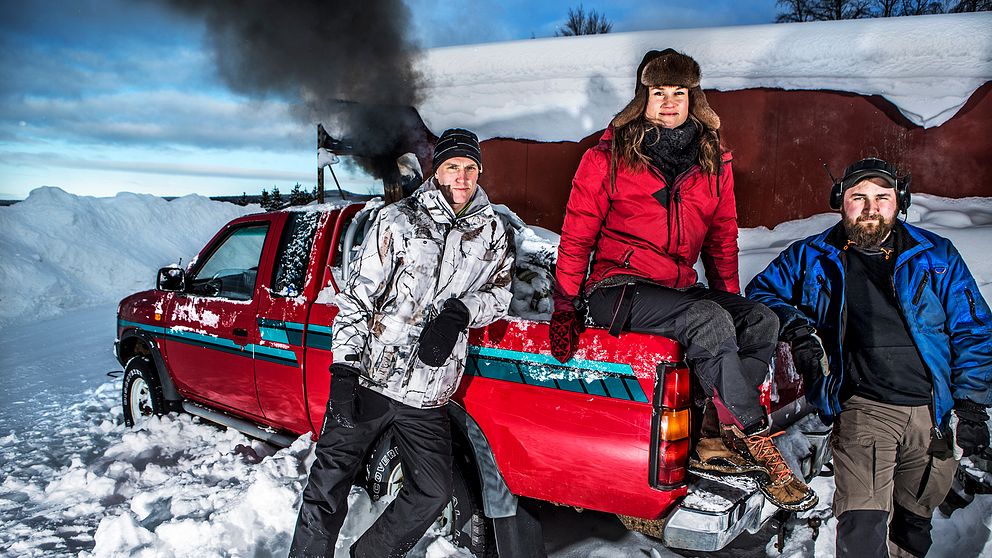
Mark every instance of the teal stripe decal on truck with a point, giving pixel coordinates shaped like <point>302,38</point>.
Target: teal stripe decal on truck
<point>591,377</point>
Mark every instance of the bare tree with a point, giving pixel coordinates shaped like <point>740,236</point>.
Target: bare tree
<point>921,7</point>
<point>825,10</point>
<point>887,8</point>
<point>795,11</point>
<point>972,6</point>
<point>581,23</point>
<point>842,9</point>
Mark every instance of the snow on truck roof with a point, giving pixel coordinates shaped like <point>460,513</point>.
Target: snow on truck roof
<point>566,88</point>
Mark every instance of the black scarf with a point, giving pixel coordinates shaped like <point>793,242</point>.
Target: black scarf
<point>672,150</point>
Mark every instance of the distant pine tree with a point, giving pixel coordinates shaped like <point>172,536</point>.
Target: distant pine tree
<point>266,201</point>
<point>299,196</point>
<point>277,201</point>
<point>244,199</point>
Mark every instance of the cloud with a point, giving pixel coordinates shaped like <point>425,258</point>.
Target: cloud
<point>155,118</point>
<point>151,167</point>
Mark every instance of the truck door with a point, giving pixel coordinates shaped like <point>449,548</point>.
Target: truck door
<point>332,243</point>
<point>282,320</point>
<point>212,326</point>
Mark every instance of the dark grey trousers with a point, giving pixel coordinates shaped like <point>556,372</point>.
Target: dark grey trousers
<point>729,339</point>
<point>423,437</point>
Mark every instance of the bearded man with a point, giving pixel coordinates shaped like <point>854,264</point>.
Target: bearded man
<point>893,340</point>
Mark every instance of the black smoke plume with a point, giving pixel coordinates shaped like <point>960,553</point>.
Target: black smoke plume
<point>349,64</point>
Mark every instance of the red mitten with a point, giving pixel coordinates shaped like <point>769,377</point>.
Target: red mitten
<point>564,334</point>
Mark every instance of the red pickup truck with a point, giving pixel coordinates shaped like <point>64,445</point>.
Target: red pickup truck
<point>242,337</point>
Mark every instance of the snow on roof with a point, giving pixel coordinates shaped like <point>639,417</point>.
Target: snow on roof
<point>566,88</point>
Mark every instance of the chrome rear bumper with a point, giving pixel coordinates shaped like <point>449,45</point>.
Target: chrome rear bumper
<point>715,513</point>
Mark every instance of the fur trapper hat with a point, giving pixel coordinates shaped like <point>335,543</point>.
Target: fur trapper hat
<point>668,67</point>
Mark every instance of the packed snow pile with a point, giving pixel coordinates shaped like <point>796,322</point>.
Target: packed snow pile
<point>64,251</point>
<point>563,89</point>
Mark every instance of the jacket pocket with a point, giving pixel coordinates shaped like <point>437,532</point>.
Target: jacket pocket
<point>919,288</point>
<point>972,307</point>
<point>388,365</point>
<point>390,330</point>
<point>822,300</point>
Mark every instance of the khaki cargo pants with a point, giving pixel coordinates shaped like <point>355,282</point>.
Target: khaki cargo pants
<point>880,457</point>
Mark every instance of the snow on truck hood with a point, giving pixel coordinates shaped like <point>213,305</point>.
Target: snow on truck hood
<point>563,89</point>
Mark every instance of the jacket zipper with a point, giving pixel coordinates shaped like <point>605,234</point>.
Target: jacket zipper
<point>902,312</point>
<point>919,289</point>
<point>971,306</point>
<point>677,199</point>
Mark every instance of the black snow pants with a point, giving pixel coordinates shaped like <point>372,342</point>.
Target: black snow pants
<point>423,437</point>
<point>729,339</point>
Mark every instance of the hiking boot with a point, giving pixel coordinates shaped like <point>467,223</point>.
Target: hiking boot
<point>715,461</point>
<point>784,489</point>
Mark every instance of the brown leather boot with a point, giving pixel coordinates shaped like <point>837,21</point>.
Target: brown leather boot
<point>784,490</point>
<point>715,461</point>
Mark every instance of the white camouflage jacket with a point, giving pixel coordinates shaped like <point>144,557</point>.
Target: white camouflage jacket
<point>417,255</point>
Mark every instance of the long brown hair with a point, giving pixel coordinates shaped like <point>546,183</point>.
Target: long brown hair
<point>626,148</point>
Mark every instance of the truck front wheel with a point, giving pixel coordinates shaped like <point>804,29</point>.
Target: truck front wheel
<point>141,393</point>
<point>461,521</point>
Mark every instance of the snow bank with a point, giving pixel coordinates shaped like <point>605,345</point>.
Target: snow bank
<point>82,483</point>
<point>567,88</point>
<point>64,251</point>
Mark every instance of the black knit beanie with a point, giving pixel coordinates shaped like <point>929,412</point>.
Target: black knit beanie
<point>456,142</point>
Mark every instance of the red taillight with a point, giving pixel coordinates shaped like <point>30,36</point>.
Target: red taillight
<point>671,463</point>
<point>673,422</point>
<point>676,388</point>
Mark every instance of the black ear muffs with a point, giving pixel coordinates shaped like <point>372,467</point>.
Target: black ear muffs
<point>867,168</point>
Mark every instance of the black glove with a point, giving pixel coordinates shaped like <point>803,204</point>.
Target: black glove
<point>439,336</point>
<point>807,353</point>
<point>972,434</point>
<point>344,382</point>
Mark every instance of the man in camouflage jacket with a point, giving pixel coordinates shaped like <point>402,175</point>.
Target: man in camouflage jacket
<point>431,266</point>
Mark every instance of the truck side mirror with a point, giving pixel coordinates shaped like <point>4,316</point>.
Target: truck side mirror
<point>171,279</point>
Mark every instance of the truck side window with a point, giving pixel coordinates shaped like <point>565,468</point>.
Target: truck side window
<point>293,257</point>
<point>231,269</point>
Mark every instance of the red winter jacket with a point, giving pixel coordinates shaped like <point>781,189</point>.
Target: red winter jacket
<point>632,233</point>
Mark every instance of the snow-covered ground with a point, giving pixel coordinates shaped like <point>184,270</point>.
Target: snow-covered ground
<point>75,481</point>
<point>563,89</point>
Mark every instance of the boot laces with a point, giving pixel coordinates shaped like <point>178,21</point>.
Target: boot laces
<point>765,452</point>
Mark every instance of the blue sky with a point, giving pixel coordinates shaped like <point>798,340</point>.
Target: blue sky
<point>103,96</point>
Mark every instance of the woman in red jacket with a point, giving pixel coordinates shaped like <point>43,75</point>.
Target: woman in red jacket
<point>653,196</point>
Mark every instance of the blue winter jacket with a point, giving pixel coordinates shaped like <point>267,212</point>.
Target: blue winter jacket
<point>945,314</point>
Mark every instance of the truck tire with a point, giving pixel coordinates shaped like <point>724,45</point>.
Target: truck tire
<point>141,392</point>
<point>462,521</point>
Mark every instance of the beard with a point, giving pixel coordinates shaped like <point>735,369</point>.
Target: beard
<point>868,231</point>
